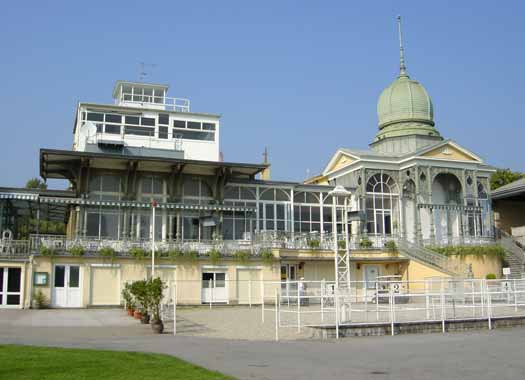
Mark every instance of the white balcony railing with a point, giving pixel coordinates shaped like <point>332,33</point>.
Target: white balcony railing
<point>163,102</point>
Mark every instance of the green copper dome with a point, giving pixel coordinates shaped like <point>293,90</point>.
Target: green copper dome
<point>404,100</point>
<point>404,108</point>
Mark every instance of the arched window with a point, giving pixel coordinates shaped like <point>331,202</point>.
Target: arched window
<point>381,204</point>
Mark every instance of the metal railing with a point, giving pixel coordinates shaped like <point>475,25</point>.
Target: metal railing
<point>123,247</point>
<point>429,257</point>
<point>168,103</point>
<point>14,248</point>
<point>391,303</point>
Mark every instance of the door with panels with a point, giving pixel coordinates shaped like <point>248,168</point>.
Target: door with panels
<point>66,291</point>
<point>10,287</point>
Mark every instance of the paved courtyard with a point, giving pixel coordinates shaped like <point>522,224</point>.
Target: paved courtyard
<point>474,355</point>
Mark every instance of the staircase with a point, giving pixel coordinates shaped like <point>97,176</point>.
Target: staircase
<point>515,255</point>
<point>433,259</point>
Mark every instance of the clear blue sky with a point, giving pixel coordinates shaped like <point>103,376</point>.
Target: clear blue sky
<point>301,77</point>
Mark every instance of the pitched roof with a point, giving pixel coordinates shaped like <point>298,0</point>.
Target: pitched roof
<point>511,189</point>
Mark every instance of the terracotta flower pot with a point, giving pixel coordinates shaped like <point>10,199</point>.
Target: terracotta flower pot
<point>130,311</point>
<point>144,319</point>
<point>157,326</point>
<point>137,314</point>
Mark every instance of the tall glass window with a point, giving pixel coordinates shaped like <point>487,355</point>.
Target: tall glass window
<point>381,204</point>
<point>103,222</point>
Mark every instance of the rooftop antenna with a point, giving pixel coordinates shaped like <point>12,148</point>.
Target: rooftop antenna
<point>402,67</point>
<point>265,155</point>
<point>145,70</point>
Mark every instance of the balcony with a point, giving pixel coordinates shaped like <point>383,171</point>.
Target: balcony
<point>153,101</point>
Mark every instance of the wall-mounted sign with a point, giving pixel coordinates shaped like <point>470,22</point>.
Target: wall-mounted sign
<point>506,271</point>
<point>41,279</point>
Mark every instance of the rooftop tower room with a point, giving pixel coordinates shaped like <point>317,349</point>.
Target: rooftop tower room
<point>144,121</point>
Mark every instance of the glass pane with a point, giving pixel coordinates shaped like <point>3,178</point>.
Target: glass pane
<point>194,125</point>
<point>94,183</point>
<point>280,211</point>
<point>282,195</point>
<point>179,124</point>
<point>74,276</point>
<point>269,211</point>
<point>316,214</point>
<point>208,126</point>
<point>111,184</point>
<point>13,299</point>
<point>60,273</point>
<point>113,118</point>
<point>311,198</point>
<point>92,224</point>
<point>157,185</point>
<point>247,193</point>
<point>298,197</point>
<point>132,120</point>
<point>206,278</point>
<point>227,229</point>
<point>148,121</point>
<point>220,280</point>
<point>13,279</point>
<point>95,116</point>
<point>164,119</point>
<point>163,132</point>
<point>109,225</point>
<point>1,280</point>
<point>267,195</point>
<point>113,129</point>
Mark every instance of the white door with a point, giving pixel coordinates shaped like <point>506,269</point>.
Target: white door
<point>10,287</point>
<point>371,273</point>
<point>214,287</point>
<point>66,286</point>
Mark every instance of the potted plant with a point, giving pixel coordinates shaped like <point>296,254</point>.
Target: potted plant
<point>128,299</point>
<point>139,291</point>
<point>40,300</point>
<point>155,288</point>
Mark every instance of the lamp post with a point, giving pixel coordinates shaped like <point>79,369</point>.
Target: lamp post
<point>153,207</point>
<point>340,191</point>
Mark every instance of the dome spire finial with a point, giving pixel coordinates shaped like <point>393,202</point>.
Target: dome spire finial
<point>402,67</point>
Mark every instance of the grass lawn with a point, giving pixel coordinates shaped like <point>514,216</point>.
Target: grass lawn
<point>28,362</point>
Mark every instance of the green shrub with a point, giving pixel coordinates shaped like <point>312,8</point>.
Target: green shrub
<point>480,251</point>
<point>214,255</point>
<point>40,300</point>
<point>77,250</point>
<point>175,254</point>
<point>154,290</point>
<point>107,252</point>
<point>139,291</point>
<point>241,256</point>
<point>341,244</point>
<point>314,244</point>
<point>191,255</point>
<point>490,276</point>
<point>267,255</point>
<point>391,246</point>
<point>48,251</point>
<point>127,296</point>
<point>365,243</point>
<point>138,253</point>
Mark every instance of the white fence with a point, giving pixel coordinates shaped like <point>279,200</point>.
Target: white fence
<point>318,304</point>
